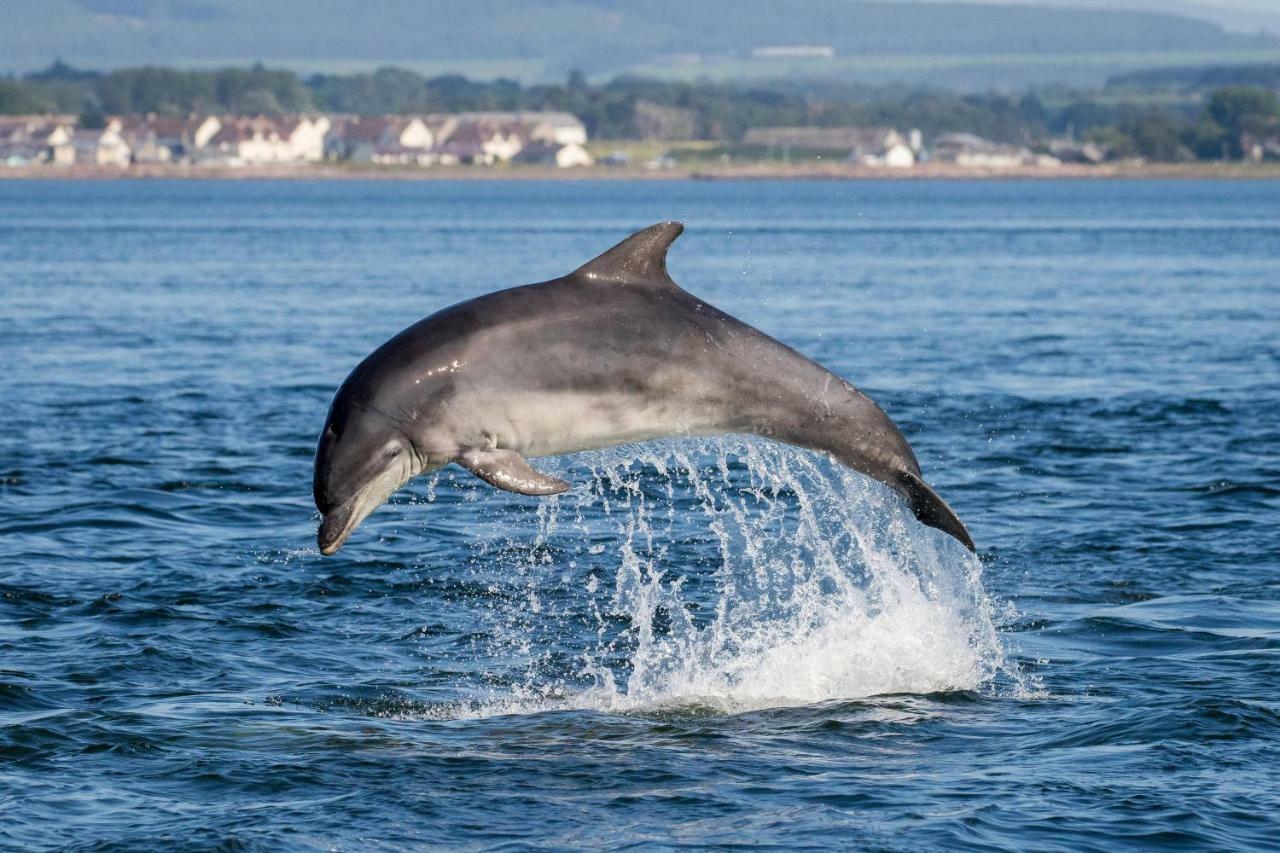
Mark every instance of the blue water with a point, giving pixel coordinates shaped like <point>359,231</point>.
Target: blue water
<point>705,643</point>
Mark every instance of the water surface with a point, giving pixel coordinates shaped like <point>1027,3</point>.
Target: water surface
<point>705,642</point>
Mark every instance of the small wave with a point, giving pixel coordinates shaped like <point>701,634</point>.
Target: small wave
<point>1218,488</point>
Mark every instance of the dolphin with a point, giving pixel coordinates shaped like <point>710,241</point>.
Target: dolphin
<point>613,353</point>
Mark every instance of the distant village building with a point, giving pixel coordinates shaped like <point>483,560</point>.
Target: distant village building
<point>303,136</point>
<point>867,146</point>
<point>145,145</point>
<point>383,139</point>
<point>195,132</point>
<point>440,125</point>
<point>482,142</point>
<point>35,139</point>
<point>560,128</point>
<point>974,152</point>
<point>1260,146</point>
<point>484,138</point>
<point>103,146</point>
<point>243,140</point>
<point>795,51</point>
<point>1070,151</point>
<point>557,128</point>
<point>551,154</point>
<point>153,138</point>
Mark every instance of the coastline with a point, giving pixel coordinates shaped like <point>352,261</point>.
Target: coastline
<point>710,172</point>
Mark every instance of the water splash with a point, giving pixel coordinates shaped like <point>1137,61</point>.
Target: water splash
<point>726,575</point>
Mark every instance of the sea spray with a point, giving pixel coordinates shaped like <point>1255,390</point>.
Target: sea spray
<point>730,574</point>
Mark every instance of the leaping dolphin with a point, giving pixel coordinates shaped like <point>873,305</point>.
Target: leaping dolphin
<point>614,352</point>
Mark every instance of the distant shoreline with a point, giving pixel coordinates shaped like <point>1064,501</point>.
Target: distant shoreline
<point>753,171</point>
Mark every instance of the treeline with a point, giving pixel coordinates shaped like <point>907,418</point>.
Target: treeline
<point>1208,127</point>
<point>1228,125</point>
<point>1198,78</point>
<point>63,89</point>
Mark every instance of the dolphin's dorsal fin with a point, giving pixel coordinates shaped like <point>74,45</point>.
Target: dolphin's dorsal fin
<point>639,259</point>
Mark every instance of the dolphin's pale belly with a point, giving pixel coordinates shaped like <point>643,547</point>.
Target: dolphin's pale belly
<point>549,424</point>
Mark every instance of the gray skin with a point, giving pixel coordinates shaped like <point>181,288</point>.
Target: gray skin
<point>613,353</point>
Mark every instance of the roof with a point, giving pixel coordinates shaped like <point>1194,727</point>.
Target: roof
<point>556,118</point>
<point>163,126</point>
<point>83,137</point>
<point>472,133</point>
<point>971,140</point>
<point>239,129</point>
<point>35,129</point>
<point>30,121</point>
<point>370,129</point>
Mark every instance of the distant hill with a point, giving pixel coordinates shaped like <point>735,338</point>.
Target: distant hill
<point>539,39</point>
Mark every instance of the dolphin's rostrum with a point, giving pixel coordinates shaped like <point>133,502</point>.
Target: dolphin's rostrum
<point>614,352</point>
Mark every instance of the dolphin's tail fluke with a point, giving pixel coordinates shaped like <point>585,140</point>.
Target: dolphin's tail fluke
<point>933,510</point>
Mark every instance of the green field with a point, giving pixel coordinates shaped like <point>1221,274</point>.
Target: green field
<point>974,71</point>
<point>965,71</point>
<point>523,70</point>
<point>997,71</point>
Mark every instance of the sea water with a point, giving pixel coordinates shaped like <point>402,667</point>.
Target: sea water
<point>705,642</point>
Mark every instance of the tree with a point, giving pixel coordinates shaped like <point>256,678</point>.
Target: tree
<point>1245,112</point>
<point>17,99</point>
<point>1159,136</point>
<point>1115,142</point>
<point>1244,108</point>
<point>1209,140</point>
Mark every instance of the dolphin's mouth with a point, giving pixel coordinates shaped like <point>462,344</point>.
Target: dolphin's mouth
<point>339,523</point>
<point>336,527</point>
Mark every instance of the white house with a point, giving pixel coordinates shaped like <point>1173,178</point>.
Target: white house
<point>103,146</point>
<point>550,154</point>
<point>303,136</point>
<point>384,139</point>
<point>481,141</point>
<point>556,127</point>
<point>441,125</point>
<point>263,139</point>
<point>552,126</point>
<point>974,152</point>
<point>144,142</point>
<point>896,156</point>
<point>241,140</point>
<point>165,139</point>
<point>36,139</point>
<point>866,146</point>
<point>1070,151</point>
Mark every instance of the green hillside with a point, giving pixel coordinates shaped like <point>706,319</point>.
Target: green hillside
<point>533,39</point>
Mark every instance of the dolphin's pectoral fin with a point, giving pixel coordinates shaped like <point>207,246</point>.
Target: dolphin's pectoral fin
<point>933,510</point>
<point>508,470</point>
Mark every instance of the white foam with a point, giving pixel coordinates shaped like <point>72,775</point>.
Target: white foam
<point>821,586</point>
